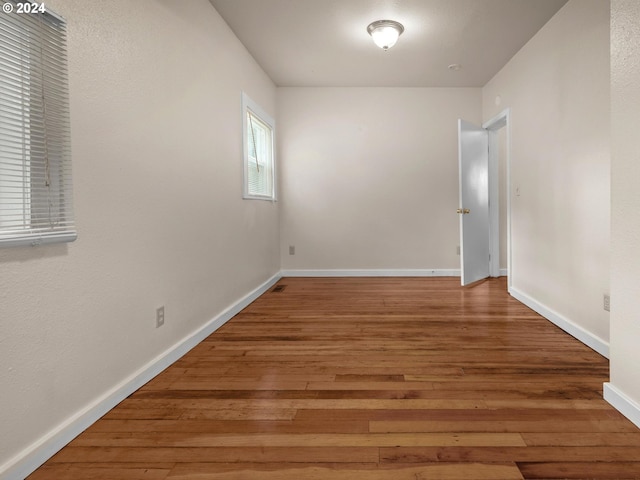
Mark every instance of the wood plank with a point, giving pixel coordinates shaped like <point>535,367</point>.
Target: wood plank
<point>470,415</point>
<point>439,471</point>
<point>153,455</point>
<point>200,404</point>
<point>97,471</point>
<point>581,440</point>
<point>213,383</point>
<point>370,386</point>
<point>230,413</point>
<point>554,403</point>
<point>206,439</point>
<point>326,425</point>
<point>522,426</point>
<point>405,455</point>
<point>225,394</point>
<point>582,470</point>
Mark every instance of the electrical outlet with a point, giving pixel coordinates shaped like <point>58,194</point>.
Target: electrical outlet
<point>607,302</point>
<point>292,249</point>
<point>159,317</point>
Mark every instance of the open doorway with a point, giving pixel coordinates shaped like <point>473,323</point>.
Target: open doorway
<point>484,209</point>
<point>499,196</point>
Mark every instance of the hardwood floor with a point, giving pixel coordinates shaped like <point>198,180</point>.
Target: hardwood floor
<point>368,378</point>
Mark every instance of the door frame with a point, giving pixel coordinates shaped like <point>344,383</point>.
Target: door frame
<point>500,121</point>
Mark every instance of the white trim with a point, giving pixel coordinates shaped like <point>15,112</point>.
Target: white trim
<point>35,240</point>
<point>589,339</point>
<point>32,457</point>
<point>501,120</point>
<point>504,272</point>
<point>621,402</point>
<point>373,273</point>
<point>494,204</point>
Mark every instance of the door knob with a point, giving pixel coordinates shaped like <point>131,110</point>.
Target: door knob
<point>463,211</point>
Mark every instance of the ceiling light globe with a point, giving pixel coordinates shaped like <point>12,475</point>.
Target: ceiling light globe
<point>385,33</point>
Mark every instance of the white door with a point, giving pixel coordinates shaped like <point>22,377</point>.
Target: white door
<point>473,155</point>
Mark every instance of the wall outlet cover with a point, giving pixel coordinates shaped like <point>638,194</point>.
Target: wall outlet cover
<point>159,317</point>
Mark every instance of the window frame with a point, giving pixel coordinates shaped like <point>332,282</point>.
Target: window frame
<point>249,106</point>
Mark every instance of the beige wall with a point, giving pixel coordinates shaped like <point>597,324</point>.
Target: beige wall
<point>369,176</point>
<point>625,214</point>
<point>155,91</point>
<point>557,88</point>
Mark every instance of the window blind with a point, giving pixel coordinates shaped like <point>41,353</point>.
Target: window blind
<point>259,168</point>
<point>36,204</point>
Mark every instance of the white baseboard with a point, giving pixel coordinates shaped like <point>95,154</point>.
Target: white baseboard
<point>589,339</point>
<point>622,403</point>
<point>39,452</point>
<point>373,273</point>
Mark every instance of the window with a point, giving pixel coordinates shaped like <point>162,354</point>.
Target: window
<point>259,166</point>
<point>35,147</point>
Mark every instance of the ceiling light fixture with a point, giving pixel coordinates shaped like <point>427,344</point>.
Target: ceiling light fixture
<point>385,33</point>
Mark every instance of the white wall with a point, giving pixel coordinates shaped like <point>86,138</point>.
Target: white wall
<point>557,87</point>
<point>155,90</point>
<point>625,208</point>
<point>369,176</point>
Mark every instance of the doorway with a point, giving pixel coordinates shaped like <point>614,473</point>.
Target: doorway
<point>484,199</point>
<point>499,195</point>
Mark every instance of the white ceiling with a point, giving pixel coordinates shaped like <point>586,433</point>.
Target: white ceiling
<point>320,43</point>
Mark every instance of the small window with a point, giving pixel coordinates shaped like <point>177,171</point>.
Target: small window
<point>259,166</point>
<point>35,150</point>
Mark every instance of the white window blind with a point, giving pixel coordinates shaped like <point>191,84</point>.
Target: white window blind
<point>259,168</point>
<point>36,204</point>
<point>259,165</point>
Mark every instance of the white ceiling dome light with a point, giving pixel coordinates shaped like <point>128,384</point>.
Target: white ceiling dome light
<point>385,33</point>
